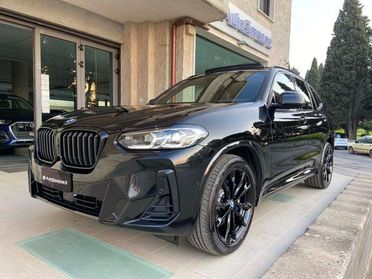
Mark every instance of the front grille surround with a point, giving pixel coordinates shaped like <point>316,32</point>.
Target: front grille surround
<point>46,145</point>
<point>58,141</point>
<point>80,148</point>
<point>21,130</point>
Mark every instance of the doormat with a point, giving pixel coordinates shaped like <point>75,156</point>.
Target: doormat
<point>78,255</point>
<point>280,197</point>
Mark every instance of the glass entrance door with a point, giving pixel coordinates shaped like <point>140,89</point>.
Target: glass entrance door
<point>58,73</point>
<point>76,73</point>
<point>98,76</point>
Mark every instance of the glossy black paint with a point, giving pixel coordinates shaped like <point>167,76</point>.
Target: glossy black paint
<point>283,145</point>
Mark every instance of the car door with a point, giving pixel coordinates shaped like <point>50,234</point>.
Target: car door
<point>369,145</point>
<point>359,145</point>
<point>364,146</point>
<point>290,134</point>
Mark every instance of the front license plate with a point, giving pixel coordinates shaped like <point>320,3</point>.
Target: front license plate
<point>56,179</point>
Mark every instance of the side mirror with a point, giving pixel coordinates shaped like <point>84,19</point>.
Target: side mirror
<point>357,141</point>
<point>291,99</point>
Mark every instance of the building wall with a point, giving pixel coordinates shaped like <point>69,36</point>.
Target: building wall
<point>66,15</point>
<point>279,25</point>
<point>146,48</point>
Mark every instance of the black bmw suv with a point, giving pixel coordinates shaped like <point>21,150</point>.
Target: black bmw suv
<point>195,161</point>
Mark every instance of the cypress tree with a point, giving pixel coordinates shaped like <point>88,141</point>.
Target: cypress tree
<point>320,71</point>
<point>312,75</point>
<point>345,76</point>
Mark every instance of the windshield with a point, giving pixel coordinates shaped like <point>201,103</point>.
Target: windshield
<point>14,103</point>
<point>230,87</point>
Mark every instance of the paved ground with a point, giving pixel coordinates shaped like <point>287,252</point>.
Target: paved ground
<point>278,222</point>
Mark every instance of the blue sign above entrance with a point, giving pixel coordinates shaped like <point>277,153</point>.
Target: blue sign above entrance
<point>245,27</point>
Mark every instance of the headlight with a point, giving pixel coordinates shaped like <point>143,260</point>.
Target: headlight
<point>2,121</point>
<point>179,136</point>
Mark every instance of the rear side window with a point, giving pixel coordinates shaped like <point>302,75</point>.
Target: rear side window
<point>316,99</point>
<point>341,136</point>
<point>302,90</point>
<point>282,83</point>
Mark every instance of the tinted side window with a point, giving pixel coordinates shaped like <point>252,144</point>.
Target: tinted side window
<point>369,140</point>
<point>362,140</point>
<point>302,90</point>
<point>282,83</point>
<point>316,99</point>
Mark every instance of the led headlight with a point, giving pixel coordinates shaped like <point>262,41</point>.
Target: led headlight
<point>175,137</point>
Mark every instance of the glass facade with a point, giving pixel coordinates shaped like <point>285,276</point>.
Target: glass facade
<point>98,77</point>
<point>211,55</point>
<point>58,66</point>
<point>16,61</point>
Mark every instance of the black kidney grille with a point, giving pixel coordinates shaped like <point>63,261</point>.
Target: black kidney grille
<point>80,148</point>
<point>46,145</point>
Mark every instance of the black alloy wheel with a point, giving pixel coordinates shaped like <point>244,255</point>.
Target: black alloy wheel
<point>227,206</point>
<point>323,176</point>
<point>234,206</point>
<point>328,166</point>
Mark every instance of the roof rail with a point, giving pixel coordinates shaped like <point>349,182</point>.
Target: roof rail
<point>289,70</point>
<point>255,66</point>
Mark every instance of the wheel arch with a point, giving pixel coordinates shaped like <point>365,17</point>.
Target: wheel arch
<point>251,153</point>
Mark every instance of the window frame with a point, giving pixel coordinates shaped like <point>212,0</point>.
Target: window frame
<point>310,96</point>
<point>315,96</point>
<point>271,14</point>
<point>270,101</point>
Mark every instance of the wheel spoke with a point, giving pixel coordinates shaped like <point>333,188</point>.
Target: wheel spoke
<point>233,226</point>
<point>240,184</point>
<point>245,206</point>
<point>228,225</point>
<point>221,220</point>
<point>232,179</point>
<point>226,189</point>
<point>240,219</point>
<point>246,188</point>
<point>221,205</point>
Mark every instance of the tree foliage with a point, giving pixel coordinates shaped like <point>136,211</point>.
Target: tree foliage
<point>295,70</point>
<point>345,77</point>
<point>313,76</point>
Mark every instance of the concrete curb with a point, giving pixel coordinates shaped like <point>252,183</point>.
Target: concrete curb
<point>338,244</point>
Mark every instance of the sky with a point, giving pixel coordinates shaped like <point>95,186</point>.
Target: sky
<point>312,28</point>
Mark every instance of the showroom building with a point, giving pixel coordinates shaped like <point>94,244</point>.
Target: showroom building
<point>72,54</point>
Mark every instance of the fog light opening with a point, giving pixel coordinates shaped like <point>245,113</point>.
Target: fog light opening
<point>134,188</point>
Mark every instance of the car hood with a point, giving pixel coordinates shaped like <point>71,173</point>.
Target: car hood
<point>116,119</point>
<point>22,115</point>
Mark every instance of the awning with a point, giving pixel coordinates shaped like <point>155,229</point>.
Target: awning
<point>155,10</point>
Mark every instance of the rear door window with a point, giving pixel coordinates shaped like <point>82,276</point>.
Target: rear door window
<point>302,90</point>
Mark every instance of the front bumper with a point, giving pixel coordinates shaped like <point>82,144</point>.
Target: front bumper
<point>157,191</point>
<point>9,141</point>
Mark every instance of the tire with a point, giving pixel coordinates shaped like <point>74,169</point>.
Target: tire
<point>351,150</point>
<point>323,176</point>
<point>226,211</point>
<point>370,154</point>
